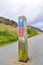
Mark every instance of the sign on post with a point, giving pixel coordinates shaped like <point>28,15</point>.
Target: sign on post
<point>22,44</point>
<point>21,32</point>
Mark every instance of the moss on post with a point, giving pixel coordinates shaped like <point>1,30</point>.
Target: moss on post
<point>23,51</point>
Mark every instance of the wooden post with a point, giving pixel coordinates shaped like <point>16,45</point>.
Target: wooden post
<point>22,44</point>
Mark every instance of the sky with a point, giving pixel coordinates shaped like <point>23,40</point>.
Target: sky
<point>32,9</point>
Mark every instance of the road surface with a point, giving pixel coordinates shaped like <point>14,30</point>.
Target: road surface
<point>35,51</point>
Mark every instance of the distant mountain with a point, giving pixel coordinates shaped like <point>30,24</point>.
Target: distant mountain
<point>33,31</point>
<point>36,28</point>
<point>8,21</point>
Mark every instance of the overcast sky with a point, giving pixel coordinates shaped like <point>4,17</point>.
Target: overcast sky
<point>32,9</point>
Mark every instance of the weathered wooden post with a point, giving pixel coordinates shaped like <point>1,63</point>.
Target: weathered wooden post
<point>22,44</point>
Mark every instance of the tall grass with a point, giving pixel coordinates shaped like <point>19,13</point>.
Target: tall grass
<point>8,34</point>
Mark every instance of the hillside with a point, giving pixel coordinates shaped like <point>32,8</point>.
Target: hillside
<point>36,28</point>
<point>8,34</point>
<point>9,31</point>
<point>32,31</point>
<point>8,21</point>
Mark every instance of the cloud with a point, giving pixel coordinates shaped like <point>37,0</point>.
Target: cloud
<point>32,9</point>
<point>38,21</point>
<point>38,25</point>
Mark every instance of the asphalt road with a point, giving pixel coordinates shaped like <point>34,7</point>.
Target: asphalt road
<point>35,51</point>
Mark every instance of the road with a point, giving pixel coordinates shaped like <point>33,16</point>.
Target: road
<point>35,51</point>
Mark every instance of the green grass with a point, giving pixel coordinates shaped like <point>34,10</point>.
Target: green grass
<point>9,34</point>
<point>32,32</point>
<point>7,38</point>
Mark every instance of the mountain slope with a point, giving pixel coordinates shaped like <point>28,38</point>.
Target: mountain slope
<point>8,21</point>
<point>32,31</point>
<point>36,28</point>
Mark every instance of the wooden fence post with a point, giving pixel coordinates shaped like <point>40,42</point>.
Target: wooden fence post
<point>22,43</point>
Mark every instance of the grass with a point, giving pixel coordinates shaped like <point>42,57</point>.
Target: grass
<point>32,32</point>
<point>7,38</point>
<point>9,34</point>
